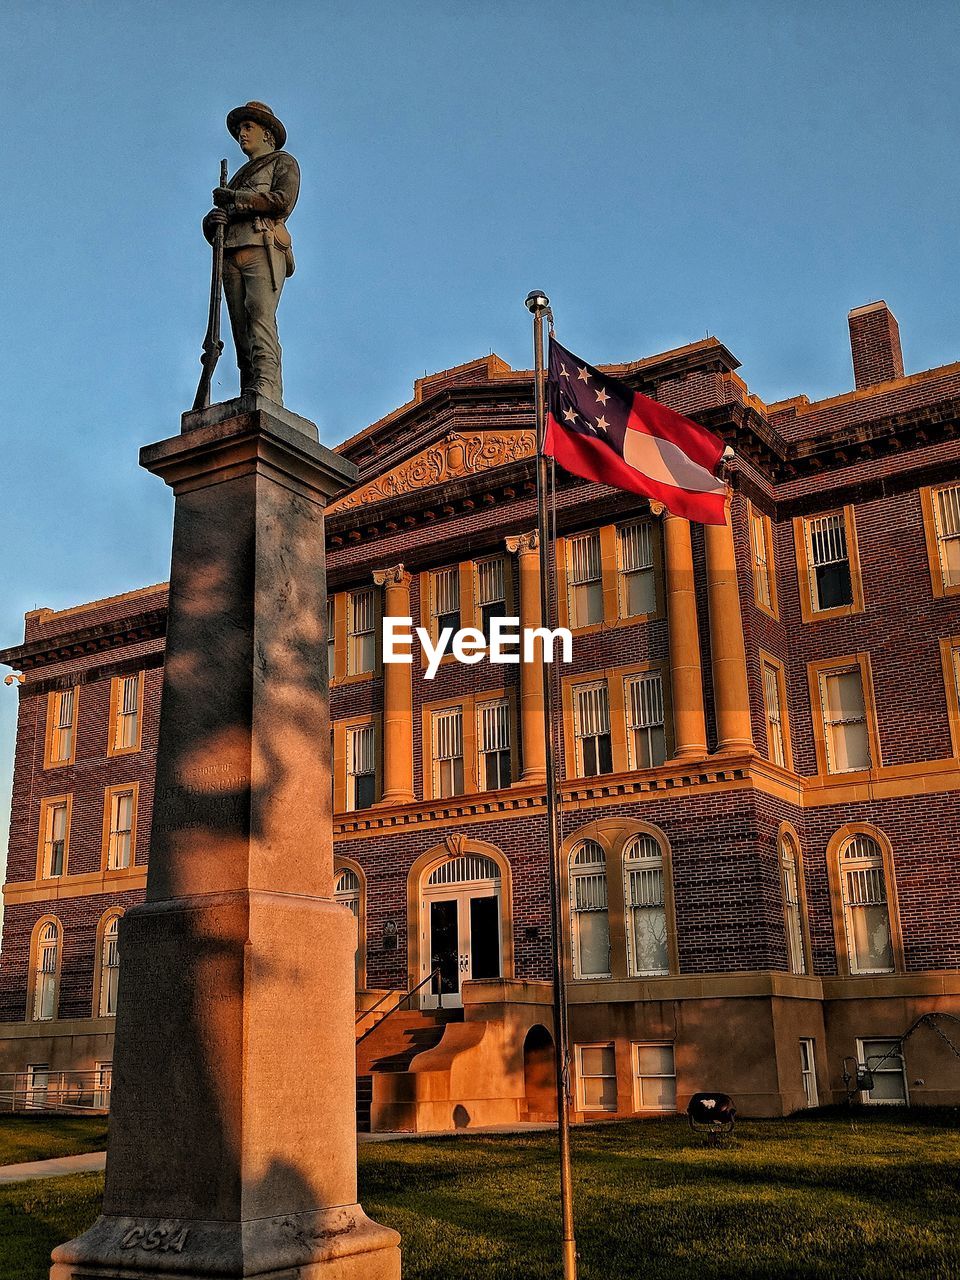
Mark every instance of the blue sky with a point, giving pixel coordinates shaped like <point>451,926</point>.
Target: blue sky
<point>748,168</point>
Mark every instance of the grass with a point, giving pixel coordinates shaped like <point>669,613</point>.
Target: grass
<point>38,1137</point>
<point>809,1197</point>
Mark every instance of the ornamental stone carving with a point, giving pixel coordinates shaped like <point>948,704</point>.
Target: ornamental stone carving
<point>524,544</point>
<point>395,576</point>
<point>460,454</point>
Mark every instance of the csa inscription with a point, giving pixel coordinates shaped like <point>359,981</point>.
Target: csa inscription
<point>159,1239</point>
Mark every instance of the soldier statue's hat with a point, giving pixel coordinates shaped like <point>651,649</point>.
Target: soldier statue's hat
<point>259,113</point>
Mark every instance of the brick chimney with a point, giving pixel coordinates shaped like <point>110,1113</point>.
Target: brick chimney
<point>875,344</point>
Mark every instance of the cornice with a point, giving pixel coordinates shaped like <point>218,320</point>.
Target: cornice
<point>133,629</point>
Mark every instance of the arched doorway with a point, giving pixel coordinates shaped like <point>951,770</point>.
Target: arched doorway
<point>460,926</point>
<point>539,1075</point>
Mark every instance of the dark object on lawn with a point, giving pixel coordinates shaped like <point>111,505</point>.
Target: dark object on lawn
<point>713,1115</point>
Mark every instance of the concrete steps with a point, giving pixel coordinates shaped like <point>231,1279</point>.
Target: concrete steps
<point>391,1046</point>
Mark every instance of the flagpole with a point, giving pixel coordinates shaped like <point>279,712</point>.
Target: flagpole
<point>538,304</point>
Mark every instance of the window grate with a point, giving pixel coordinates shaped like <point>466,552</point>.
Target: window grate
<point>495,727</point>
<point>347,881</point>
<point>490,581</point>
<point>585,558</point>
<point>463,870</point>
<point>828,539</point>
<point>362,749</point>
<point>588,854</point>
<point>636,546</point>
<point>593,712</point>
<point>446,591</point>
<point>645,702</point>
<point>590,892</point>
<point>448,734</point>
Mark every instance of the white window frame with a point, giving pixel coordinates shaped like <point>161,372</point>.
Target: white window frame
<point>447,740</point>
<point>51,841</point>
<point>826,541</point>
<point>638,1078</point>
<point>491,580</point>
<point>331,637</point>
<point>635,556</point>
<point>646,714</point>
<point>946,511</point>
<point>361,631</point>
<point>589,895</point>
<point>120,838</point>
<point>808,1070</point>
<point>36,1084</point>
<point>773,713</point>
<point>445,597</point>
<point>832,727</point>
<point>109,969</point>
<point>642,857</point>
<point>46,973</point>
<point>790,873</point>
<point>865,871</point>
<point>127,722</point>
<point>583,1076</point>
<point>493,737</point>
<point>63,731</point>
<point>761,565</point>
<point>361,748</point>
<point>584,579</point>
<point>597,726</point>
<point>103,1084</point>
<point>895,1065</point>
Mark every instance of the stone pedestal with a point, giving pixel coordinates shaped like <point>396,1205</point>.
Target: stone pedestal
<point>232,1149</point>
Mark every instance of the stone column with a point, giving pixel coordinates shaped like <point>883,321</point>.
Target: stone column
<point>232,1148</point>
<point>397,696</point>
<point>730,689</point>
<point>686,676</point>
<point>526,547</point>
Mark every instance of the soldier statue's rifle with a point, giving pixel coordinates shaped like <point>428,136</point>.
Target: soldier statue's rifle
<point>212,346</point>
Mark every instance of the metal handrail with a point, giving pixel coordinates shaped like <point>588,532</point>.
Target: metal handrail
<point>403,1000</point>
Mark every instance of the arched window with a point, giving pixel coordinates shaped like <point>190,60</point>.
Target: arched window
<point>792,904</point>
<point>645,902</point>
<point>348,891</point>
<point>590,916</point>
<point>866,910</point>
<point>46,973</point>
<point>109,969</point>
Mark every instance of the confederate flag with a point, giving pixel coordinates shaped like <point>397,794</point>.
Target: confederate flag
<point>598,428</point>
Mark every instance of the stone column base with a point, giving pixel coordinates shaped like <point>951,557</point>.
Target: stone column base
<point>331,1244</point>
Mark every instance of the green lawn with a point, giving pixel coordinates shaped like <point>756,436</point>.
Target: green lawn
<point>815,1196</point>
<point>36,1137</point>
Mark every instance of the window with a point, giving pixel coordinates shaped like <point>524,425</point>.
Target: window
<point>846,732</point>
<point>491,592</point>
<point>808,1071</point>
<point>635,566</point>
<point>46,972</point>
<point>331,638</point>
<point>592,729</point>
<point>448,752</point>
<point>61,726</point>
<point>828,569</point>
<point>361,632</point>
<point>884,1060</point>
<point>866,913</point>
<point>588,903</point>
<point>125,694</point>
<point>584,579</point>
<point>109,970</point>
<point>38,1081</point>
<point>348,892</point>
<point>102,1085</point>
<point>445,600</point>
<point>773,705</point>
<point>646,742</point>
<point>946,510</point>
<point>597,1077</point>
<point>654,1077</point>
<point>361,767</point>
<point>493,725</point>
<point>761,545</point>
<point>54,836</point>
<point>831,585</point>
<point>643,895</point>
<point>121,807</point>
<point>792,905</point>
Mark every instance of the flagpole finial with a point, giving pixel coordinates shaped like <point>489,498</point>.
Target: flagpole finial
<point>536,301</point>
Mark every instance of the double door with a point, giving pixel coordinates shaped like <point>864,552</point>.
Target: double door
<point>461,935</point>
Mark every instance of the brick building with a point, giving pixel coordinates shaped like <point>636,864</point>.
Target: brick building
<point>760,749</point>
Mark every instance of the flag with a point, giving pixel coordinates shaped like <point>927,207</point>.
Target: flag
<point>599,428</point>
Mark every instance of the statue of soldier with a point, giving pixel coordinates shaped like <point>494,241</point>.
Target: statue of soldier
<point>257,256</point>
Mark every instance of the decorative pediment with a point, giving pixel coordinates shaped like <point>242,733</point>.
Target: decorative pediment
<point>460,454</point>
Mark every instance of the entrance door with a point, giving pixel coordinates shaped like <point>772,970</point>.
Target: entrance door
<point>460,934</point>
